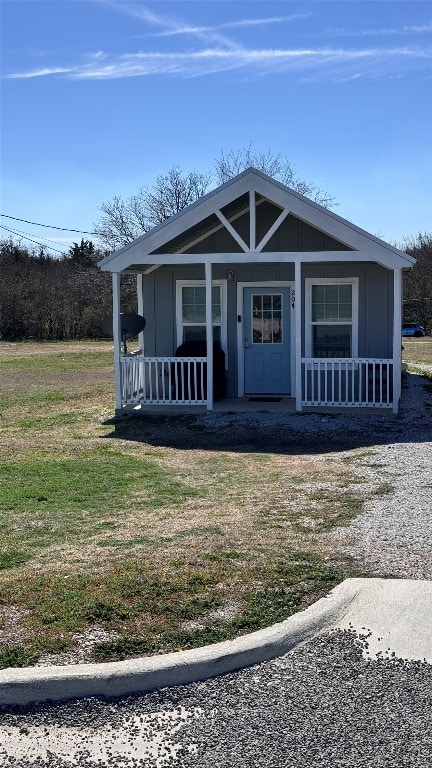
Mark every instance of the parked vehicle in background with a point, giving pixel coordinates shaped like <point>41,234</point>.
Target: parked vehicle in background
<point>413,329</point>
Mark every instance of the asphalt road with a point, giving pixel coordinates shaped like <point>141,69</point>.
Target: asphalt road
<point>324,704</point>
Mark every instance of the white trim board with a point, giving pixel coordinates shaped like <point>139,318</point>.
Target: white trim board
<point>260,257</point>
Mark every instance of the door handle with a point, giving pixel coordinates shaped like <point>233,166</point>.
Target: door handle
<point>246,342</point>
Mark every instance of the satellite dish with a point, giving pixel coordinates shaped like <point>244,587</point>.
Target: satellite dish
<point>130,326</point>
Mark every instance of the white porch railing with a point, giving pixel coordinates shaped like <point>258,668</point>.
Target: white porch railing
<point>163,380</point>
<point>361,383</point>
<point>342,382</point>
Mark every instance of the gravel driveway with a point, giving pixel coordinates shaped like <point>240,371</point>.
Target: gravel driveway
<point>322,705</point>
<point>393,534</point>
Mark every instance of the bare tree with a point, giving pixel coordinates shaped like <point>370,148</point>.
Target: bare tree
<point>126,219</point>
<point>278,166</point>
<point>173,192</point>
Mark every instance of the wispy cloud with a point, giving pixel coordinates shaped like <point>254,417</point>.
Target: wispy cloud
<point>266,20</point>
<point>325,61</point>
<point>43,72</point>
<point>423,29</point>
<point>217,53</point>
<point>170,25</point>
<point>213,30</point>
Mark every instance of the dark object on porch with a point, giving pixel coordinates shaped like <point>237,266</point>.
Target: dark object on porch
<point>186,383</point>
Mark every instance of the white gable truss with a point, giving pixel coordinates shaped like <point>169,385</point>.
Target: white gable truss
<point>361,246</point>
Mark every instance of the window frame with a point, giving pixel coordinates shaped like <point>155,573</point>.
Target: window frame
<point>309,323</point>
<point>180,284</point>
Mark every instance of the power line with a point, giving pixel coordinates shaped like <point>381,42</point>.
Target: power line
<point>40,237</point>
<point>49,226</point>
<point>14,232</point>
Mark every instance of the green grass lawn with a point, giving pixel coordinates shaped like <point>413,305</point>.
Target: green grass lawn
<point>163,534</point>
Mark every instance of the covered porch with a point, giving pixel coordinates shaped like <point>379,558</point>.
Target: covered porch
<point>148,382</point>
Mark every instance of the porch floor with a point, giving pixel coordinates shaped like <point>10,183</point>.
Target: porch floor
<point>228,405</point>
<point>247,404</point>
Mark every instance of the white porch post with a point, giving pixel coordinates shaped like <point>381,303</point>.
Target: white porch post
<point>298,333</point>
<point>117,338</point>
<point>397,342</point>
<point>209,334</point>
<point>140,307</point>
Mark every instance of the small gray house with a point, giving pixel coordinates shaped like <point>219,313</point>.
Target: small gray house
<point>301,305</point>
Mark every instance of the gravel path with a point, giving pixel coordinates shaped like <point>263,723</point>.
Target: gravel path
<point>393,534</point>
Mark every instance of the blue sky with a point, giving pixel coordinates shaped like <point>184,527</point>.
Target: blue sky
<point>101,96</point>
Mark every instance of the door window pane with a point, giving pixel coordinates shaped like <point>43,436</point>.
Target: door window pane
<point>267,318</point>
<point>256,303</point>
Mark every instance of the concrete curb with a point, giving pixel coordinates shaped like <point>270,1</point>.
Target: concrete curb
<point>19,687</point>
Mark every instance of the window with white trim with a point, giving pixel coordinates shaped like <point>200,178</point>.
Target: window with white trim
<point>332,318</point>
<point>191,311</point>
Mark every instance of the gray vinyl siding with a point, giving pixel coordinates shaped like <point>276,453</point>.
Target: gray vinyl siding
<point>292,235</point>
<point>220,241</point>
<point>296,235</point>
<point>378,312</point>
<point>375,304</point>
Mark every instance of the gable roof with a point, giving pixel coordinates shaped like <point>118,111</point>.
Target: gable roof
<point>205,209</point>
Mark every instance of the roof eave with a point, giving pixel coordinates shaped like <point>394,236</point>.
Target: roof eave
<point>402,259</point>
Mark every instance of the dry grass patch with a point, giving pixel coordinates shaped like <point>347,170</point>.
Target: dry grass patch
<point>18,349</point>
<point>417,353</point>
<point>149,529</point>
